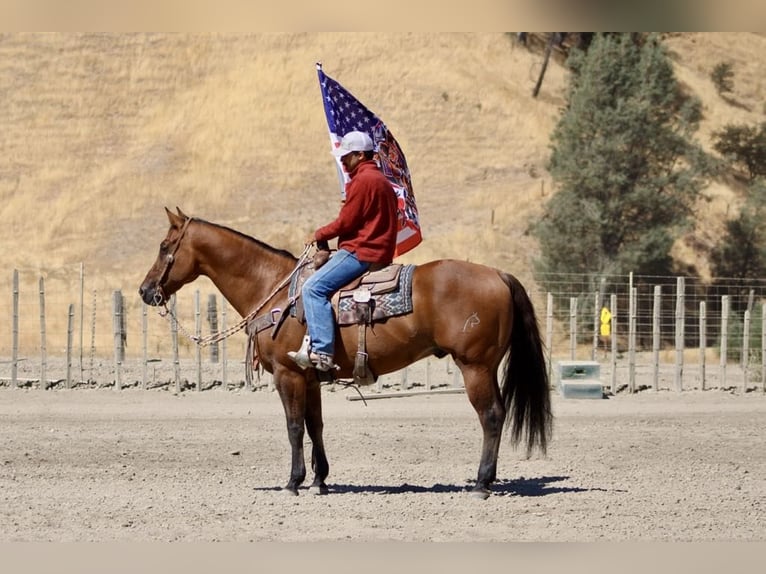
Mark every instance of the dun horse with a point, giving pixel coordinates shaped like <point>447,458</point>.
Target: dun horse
<point>474,313</point>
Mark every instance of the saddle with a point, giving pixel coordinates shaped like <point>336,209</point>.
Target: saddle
<point>372,297</point>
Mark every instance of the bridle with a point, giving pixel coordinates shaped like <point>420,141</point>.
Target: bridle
<point>161,301</point>
<point>159,294</point>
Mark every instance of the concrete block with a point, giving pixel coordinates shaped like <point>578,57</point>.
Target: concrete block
<point>577,370</point>
<point>581,389</point>
<point>579,379</point>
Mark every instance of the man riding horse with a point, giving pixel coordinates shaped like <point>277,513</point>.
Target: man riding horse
<point>366,229</point>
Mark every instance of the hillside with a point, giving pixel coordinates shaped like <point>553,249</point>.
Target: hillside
<point>100,132</point>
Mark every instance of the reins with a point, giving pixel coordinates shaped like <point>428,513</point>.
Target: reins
<point>217,337</point>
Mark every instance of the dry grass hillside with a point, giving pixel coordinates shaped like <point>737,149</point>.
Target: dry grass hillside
<point>100,132</point>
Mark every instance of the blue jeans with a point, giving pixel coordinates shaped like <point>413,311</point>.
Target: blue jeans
<point>339,270</point>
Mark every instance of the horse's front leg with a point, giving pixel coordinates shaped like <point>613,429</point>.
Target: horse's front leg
<point>291,387</point>
<point>315,426</point>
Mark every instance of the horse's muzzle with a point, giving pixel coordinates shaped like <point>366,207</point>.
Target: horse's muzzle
<point>151,295</point>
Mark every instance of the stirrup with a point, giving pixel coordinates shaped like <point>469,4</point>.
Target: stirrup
<point>301,356</point>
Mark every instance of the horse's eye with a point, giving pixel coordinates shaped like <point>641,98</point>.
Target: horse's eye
<point>164,246</point>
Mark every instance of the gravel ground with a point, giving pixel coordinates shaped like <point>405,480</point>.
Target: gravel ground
<point>93,464</point>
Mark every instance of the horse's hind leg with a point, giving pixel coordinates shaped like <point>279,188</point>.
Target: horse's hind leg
<point>482,390</point>
<point>315,426</point>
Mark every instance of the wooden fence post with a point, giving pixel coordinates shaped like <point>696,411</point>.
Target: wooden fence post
<point>656,337</point>
<point>198,333</point>
<point>174,342</point>
<point>457,377</point>
<point>224,382</point>
<point>117,331</point>
<point>43,348</point>
<point>745,350</point>
<point>92,335</point>
<point>596,324</point>
<point>613,310</point>
<point>15,344</point>
<point>69,334</point>
<point>572,328</point>
<point>763,347</point>
<point>632,340</point>
<point>680,320</point>
<point>549,330</point>
<point>703,342</point>
<point>212,319</point>
<point>82,311</point>
<point>144,345</point>
<point>724,337</point>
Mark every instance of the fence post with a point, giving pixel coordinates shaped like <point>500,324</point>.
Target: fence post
<point>43,349</point>
<point>198,333</point>
<point>224,384</point>
<point>703,342</point>
<point>613,310</point>
<point>656,337</point>
<point>680,316</point>
<point>15,350</point>
<point>549,330</point>
<point>144,345</point>
<point>596,323</point>
<point>92,336</point>
<point>632,340</point>
<point>724,337</point>
<point>174,342</point>
<point>212,318</point>
<point>117,330</point>
<point>763,347</point>
<point>69,334</point>
<point>745,350</point>
<point>82,310</point>
<point>457,377</point>
<point>572,328</point>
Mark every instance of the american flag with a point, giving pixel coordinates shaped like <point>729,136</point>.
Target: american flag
<point>346,114</point>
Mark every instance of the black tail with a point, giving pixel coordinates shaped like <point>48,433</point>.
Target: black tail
<point>525,387</point>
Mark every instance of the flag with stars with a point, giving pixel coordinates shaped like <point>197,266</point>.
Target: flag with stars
<point>346,114</point>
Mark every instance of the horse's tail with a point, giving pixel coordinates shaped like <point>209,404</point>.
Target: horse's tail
<point>525,387</point>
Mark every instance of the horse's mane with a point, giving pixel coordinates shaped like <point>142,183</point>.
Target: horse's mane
<point>266,246</point>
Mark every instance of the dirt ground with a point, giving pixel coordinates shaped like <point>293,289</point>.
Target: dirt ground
<point>94,464</point>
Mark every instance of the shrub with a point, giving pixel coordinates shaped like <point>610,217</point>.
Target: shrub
<point>723,78</point>
<point>745,145</point>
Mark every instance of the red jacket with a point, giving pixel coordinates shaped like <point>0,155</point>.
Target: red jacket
<point>367,222</point>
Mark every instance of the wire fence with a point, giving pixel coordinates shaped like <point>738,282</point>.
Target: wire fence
<point>680,299</point>
<point>62,327</point>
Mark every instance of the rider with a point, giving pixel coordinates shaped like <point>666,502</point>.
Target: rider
<point>366,229</point>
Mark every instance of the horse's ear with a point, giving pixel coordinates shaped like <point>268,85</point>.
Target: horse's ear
<point>173,218</point>
<point>181,213</point>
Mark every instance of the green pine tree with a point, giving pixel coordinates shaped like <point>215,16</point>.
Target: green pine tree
<point>627,172</point>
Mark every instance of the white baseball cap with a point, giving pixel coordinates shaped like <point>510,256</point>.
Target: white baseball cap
<point>353,141</point>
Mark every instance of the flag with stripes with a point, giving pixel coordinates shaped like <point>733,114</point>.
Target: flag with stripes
<point>345,114</point>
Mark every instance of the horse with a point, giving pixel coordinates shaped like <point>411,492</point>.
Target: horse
<point>478,315</point>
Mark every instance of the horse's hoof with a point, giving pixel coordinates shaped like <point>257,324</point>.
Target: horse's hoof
<point>480,493</point>
<point>318,490</point>
<point>290,491</point>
